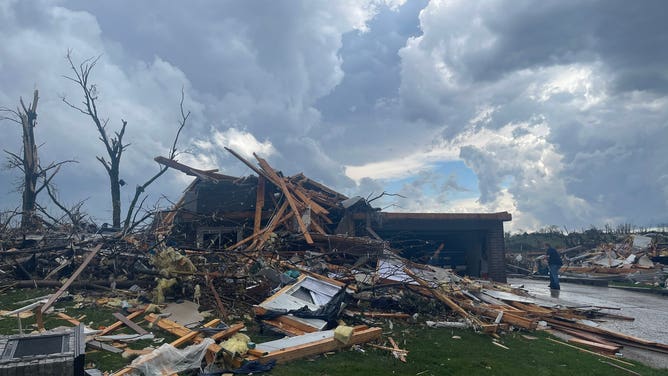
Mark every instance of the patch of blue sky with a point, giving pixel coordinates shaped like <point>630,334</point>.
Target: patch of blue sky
<point>436,179</point>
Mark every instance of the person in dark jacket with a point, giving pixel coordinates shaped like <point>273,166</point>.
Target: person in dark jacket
<point>554,263</point>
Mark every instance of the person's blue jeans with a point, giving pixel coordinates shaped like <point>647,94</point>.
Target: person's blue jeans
<point>554,276</point>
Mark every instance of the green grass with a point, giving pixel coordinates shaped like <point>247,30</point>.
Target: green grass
<point>431,351</point>
<point>435,352</point>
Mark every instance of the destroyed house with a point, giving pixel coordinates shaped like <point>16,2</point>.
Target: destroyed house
<point>472,244</point>
<point>224,212</point>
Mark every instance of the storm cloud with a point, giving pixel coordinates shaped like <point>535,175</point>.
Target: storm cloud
<point>556,111</point>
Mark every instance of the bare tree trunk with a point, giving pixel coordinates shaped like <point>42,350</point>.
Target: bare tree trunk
<point>113,144</point>
<point>30,162</point>
<point>128,225</point>
<point>114,182</point>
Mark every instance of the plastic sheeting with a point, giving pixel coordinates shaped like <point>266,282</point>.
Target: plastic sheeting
<point>168,360</point>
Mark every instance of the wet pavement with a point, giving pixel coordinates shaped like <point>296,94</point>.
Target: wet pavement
<point>650,311</point>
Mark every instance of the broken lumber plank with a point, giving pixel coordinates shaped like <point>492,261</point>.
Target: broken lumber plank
<point>634,373</point>
<point>118,324</point>
<point>607,349</point>
<point>443,298</point>
<point>174,327</point>
<point>508,318</point>
<point>316,225</point>
<point>532,308</point>
<point>585,335</point>
<point>591,352</point>
<point>611,335</point>
<point>314,275</point>
<point>257,353</point>
<point>306,200</point>
<point>74,276</point>
<point>185,334</point>
<point>103,346</point>
<point>259,204</point>
<point>219,302</point>
<point>285,324</point>
<point>138,329</point>
<point>284,188</point>
<point>209,174</point>
<point>248,164</point>
<point>68,318</point>
<point>386,348</point>
<point>224,334</point>
<point>288,324</point>
<point>396,350</point>
<point>320,347</point>
<point>500,345</point>
<point>185,338</point>
<point>275,221</point>
<point>372,315</point>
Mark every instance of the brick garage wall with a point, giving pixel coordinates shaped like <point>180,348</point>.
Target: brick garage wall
<point>496,252</point>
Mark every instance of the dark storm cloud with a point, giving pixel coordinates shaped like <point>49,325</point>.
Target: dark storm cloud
<point>559,107</point>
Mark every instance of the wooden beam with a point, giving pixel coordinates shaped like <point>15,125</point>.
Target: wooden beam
<point>118,324</point>
<point>219,303</point>
<point>69,281</point>
<point>585,335</point>
<point>68,318</point>
<point>275,221</point>
<point>599,347</point>
<point>291,325</point>
<point>320,347</point>
<point>247,163</point>
<point>306,200</point>
<point>377,314</point>
<point>610,335</point>
<point>508,317</point>
<point>210,174</point>
<point>228,332</point>
<point>396,350</point>
<point>129,323</point>
<point>591,352</point>
<point>315,224</point>
<point>284,188</point>
<point>259,204</point>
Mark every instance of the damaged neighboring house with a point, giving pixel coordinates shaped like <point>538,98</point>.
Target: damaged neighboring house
<point>225,212</point>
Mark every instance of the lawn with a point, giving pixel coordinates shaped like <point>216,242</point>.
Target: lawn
<point>436,352</point>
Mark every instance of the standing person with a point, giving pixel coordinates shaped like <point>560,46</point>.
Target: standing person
<point>554,262</point>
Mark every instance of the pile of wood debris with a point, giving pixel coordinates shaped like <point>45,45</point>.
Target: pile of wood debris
<point>292,267</point>
<point>637,259</point>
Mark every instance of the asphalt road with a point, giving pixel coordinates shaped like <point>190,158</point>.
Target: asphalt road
<point>650,311</point>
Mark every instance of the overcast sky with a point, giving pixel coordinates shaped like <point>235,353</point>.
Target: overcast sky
<point>556,111</point>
